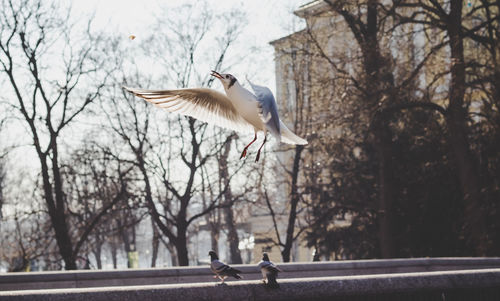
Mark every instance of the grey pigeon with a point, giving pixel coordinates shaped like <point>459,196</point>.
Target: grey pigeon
<point>239,110</point>
<point>269,271</point>
<point>220,269</point>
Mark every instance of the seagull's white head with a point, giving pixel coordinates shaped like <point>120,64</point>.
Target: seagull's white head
<point>226,79</point>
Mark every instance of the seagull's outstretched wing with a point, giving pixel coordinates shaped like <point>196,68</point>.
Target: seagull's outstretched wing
<point>269,108</point>
<point>201,103</point>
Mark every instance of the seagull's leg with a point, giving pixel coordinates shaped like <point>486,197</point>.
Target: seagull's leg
<point>244,152</point>
<point>258,153</point>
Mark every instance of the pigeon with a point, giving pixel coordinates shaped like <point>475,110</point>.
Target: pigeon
<point>220,269</point>
<point>269,271</point>
<point>239,110</point>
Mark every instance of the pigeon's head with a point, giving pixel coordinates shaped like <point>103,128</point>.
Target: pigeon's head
<point>265,257</point>
<point>213,255</point>
<point>226,79</point>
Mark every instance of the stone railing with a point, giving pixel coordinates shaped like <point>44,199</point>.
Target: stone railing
<point>477,285</point>
<point>131,277</point>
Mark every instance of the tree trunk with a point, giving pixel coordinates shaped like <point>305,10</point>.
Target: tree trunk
<point>181,247</point>
<point>385,189</point>
<point>63,241</point>
<point>214,237</point>
<point>171,250</point>
<point>114,257</point>
<point>232,237</point>
<point>97,251</point>
<point>128,237</point>
<point>292,216</point>
<point>377,81</point>
<point>68,255</point>
<point>468,174</point>
<point>155,244</point>
<point>57,217</point>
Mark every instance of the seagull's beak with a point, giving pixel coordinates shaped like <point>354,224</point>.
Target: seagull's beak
<point>216,74</point>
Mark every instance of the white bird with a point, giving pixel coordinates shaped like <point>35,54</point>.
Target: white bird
<point>239,110</point>
<point>220,269</point>
<point>269,271</point>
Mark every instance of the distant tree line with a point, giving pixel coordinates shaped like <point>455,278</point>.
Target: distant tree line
<point>106,161</point>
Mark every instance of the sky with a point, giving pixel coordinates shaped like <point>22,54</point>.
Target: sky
<point>266,21</point>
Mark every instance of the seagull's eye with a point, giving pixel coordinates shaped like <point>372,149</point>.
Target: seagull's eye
<point>227,76</point>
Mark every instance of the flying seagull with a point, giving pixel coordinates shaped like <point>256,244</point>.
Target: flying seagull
<point>220,269</point>
<point>239,110</point>
<point>269,271</point>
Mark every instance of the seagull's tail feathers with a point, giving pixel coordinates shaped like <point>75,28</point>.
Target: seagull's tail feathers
<point>288,137</point>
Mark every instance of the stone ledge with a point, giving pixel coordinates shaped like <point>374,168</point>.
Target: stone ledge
<point>95,278</point>
<point>320,288</point>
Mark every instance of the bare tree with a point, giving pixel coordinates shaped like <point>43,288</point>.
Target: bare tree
<point>448,17</point>
<point>3,163</point>
<point>158,179</point>
<point>97,185</point>
<point>31,34</point>
<point>229,199</point>
<point>2,183</point>
<point>375,84</point>
<point>26,232</point>
<point>299,114</point>
<point>224,218</point>
<point>171,207</point>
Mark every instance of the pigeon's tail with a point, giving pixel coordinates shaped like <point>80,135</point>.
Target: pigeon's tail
<point>235,273</point>
<point>288,137</point>
<point>271,281</point>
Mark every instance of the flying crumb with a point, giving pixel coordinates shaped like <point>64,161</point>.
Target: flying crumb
<point>132,37</point>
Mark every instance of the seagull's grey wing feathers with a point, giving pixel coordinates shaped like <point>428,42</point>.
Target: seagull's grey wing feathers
<point>201,103</point>
<point>269,108</point>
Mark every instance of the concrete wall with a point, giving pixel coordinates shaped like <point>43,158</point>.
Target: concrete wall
<point>476,284</point>
<point>81,279</point>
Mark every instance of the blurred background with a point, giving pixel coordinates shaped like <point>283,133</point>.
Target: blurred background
<point>399,101</point>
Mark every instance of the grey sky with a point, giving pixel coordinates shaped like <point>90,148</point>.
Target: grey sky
<point>267,20</point>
